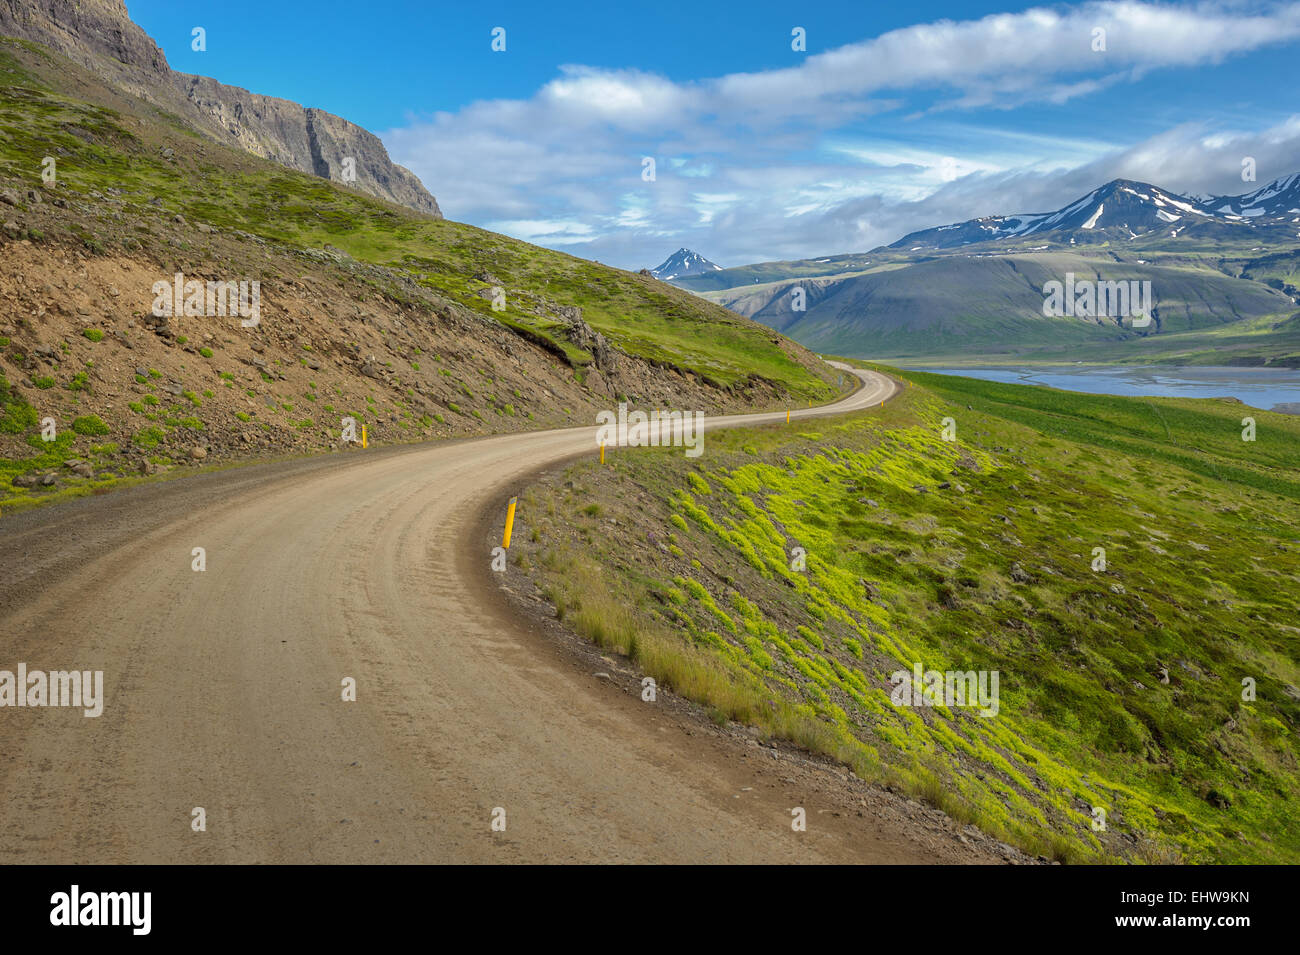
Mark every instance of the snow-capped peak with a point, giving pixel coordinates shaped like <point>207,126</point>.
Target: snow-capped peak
<point>682,263</point>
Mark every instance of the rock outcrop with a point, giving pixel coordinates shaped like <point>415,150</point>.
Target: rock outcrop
<point>99,35</point>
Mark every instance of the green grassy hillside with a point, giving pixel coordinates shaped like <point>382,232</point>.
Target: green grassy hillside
<point>106,142</point>
<point>1121,684</point>
<point>992,306</point>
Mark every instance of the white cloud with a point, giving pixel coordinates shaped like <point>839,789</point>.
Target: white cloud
<point>546,231</point>
<point>792,159</point>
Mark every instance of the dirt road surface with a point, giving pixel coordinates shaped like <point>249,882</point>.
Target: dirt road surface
<point>223,688</point>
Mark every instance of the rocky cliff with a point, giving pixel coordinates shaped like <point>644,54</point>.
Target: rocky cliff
<point>99,34</point>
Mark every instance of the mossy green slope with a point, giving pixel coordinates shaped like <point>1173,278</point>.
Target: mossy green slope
<point>1121,687</point>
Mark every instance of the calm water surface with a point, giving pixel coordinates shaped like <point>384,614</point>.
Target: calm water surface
<point>1258,387</point>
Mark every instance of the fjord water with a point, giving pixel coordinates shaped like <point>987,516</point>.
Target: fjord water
<point>1258,387</point>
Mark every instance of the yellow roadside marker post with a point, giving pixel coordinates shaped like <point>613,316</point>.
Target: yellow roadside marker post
<point>363,436</point>
<point>510,523</point>
<point>787,415</point>
<point>602,452</point>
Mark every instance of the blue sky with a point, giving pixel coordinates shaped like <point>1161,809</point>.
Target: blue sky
<point>897,117</point>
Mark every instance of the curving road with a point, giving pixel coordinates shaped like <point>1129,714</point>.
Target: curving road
<point>223,688</point>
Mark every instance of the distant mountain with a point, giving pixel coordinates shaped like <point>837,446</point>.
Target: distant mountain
<point>1125,210</point>
<point>1278,200</point>
<point>992,306</point>
<point>1145,219</point>
<point>682,263</point>
<point>1221,270</point>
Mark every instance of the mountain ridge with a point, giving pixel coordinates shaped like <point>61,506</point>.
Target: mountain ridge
<point>1223,273</point>
<point>1119,209</point>
<point>1270,213</point>
<point>100,35</point>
